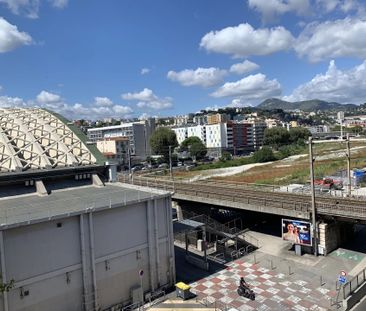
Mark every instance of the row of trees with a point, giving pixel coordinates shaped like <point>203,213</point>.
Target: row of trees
<point>279,136</point>
<point>164,137</point>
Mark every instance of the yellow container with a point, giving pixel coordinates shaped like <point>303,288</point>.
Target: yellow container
<point>182,286</point>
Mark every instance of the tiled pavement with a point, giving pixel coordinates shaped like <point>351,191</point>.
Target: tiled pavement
<point>274,290</point>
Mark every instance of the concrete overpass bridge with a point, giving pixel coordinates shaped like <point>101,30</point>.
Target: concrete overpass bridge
<point>263,199</point>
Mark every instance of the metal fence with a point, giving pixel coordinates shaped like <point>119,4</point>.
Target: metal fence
<point>350,287</point>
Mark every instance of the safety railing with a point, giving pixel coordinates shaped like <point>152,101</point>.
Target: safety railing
<point>352,285</point>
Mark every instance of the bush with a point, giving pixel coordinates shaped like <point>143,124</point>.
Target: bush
<point>264,155</point>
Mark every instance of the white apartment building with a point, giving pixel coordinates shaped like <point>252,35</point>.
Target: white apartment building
<point>217,136</point>
<point>198,130</point>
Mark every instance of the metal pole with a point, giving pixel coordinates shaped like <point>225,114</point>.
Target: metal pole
<point>341,129</point>
<point>170,163</point>
<point>129,160</point>
<point>349,164</point>
<point>313,207</point>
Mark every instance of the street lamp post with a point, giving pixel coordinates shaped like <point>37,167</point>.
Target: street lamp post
<point>313,207</point>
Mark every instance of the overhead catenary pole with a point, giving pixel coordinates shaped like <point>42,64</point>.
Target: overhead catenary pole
<point>349,164</point>
<point>170,163</point>
<point>129,160</point>
<point>313,207</point>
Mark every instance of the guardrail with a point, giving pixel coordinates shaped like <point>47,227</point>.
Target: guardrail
<point>351,286</point>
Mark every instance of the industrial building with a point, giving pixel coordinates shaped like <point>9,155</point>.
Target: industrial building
<point>69,239</point>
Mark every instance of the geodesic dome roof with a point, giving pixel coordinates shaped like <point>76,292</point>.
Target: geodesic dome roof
<point>36,139</point>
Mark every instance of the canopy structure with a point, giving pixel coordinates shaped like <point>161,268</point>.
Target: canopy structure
<point>36,139</point>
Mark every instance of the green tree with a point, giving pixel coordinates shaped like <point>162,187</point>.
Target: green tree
<point>160,141</point>
<point>298,135</point>
<point>276,137</point>
<point>194,146</point>
<point>264,155</point>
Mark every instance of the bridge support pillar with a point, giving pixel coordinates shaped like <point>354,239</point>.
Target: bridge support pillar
<point>332,235</point>
<point>179,210</point>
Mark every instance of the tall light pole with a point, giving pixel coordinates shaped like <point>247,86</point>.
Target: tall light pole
<point>349,164</point>
<point>170,163</point>
<point>313,207</point>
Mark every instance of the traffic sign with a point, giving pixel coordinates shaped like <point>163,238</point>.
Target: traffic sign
<point>342,279</point>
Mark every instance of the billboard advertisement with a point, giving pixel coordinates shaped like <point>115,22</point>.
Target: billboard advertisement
<point>297,231</point>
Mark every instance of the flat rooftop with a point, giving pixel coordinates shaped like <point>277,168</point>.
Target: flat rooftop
<point>31,208</point>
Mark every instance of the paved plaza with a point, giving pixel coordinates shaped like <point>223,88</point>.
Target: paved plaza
<point>274,290</point>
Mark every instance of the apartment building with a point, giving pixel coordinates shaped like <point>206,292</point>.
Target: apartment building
<point>235,137</point>
<point>137,133</point>
<point>115,149</point>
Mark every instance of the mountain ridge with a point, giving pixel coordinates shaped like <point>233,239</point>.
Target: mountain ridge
<point>305,105</point>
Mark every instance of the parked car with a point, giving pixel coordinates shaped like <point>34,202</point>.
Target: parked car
<point>163,165</point>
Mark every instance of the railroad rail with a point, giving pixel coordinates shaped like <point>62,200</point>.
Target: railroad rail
<point>250,197</point>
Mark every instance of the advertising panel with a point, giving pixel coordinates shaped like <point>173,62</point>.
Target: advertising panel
<point>297,231</point>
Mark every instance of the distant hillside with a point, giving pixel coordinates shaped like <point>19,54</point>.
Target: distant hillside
<point>306,105</point>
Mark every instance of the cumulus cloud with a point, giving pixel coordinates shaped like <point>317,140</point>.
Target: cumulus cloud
<point>204,77</point>
<point>348,86</point>
<point>251,89</point>
<point>243,40</point>
<point>8,102</point>
<point>343,5</point>
<point>30,8</point>
<point>147,99</point>
<point>11,37</point>
<point>103,102</point>
<point>270,9</point>
<point>73,111</point>
<point>45,97</point>
<point>243,67</point>
<point>332,39</point>
<point>145,71</point>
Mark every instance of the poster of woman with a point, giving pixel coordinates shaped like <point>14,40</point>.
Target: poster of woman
<point>296,231</point>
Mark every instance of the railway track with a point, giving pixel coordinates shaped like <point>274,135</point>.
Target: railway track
<point>264,197</point>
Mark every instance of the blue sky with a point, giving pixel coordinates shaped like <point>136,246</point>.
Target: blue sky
<point>124,58</point>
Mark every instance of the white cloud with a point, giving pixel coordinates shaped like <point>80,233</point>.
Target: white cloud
<point>332,39</point>
<point>270,9</point>
<point>145,71</point>
<point>240,103</point>
<point>145,95</point>
<point>103,101</point>
<point>243,40</point>
<point>30,8</point>
<point>251,89</point>
<point>343,5</point>
<point>204,77</point>
<point>348,86</point>
<point>73,111</point>
<point>11,37</point>
<point>144,116</point>
<point>156,104</point>
<point>244,67</point>
<point>7,102</point>
<point>121,110</point>
<point>45,97</point>
<point>60,4</point>
<point>147,99</point>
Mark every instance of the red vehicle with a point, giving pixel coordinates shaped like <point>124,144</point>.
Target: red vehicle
<point>328,183</point>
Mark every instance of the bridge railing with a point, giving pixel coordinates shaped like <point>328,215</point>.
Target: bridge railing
<point>351,286</point>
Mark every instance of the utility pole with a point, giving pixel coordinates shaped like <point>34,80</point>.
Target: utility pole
<point>313,207</point>
<point>129,160</point>
<point>170,163</point>
<point>349,164</point>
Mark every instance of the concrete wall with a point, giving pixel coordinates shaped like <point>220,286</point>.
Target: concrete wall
<point>89,260</point>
